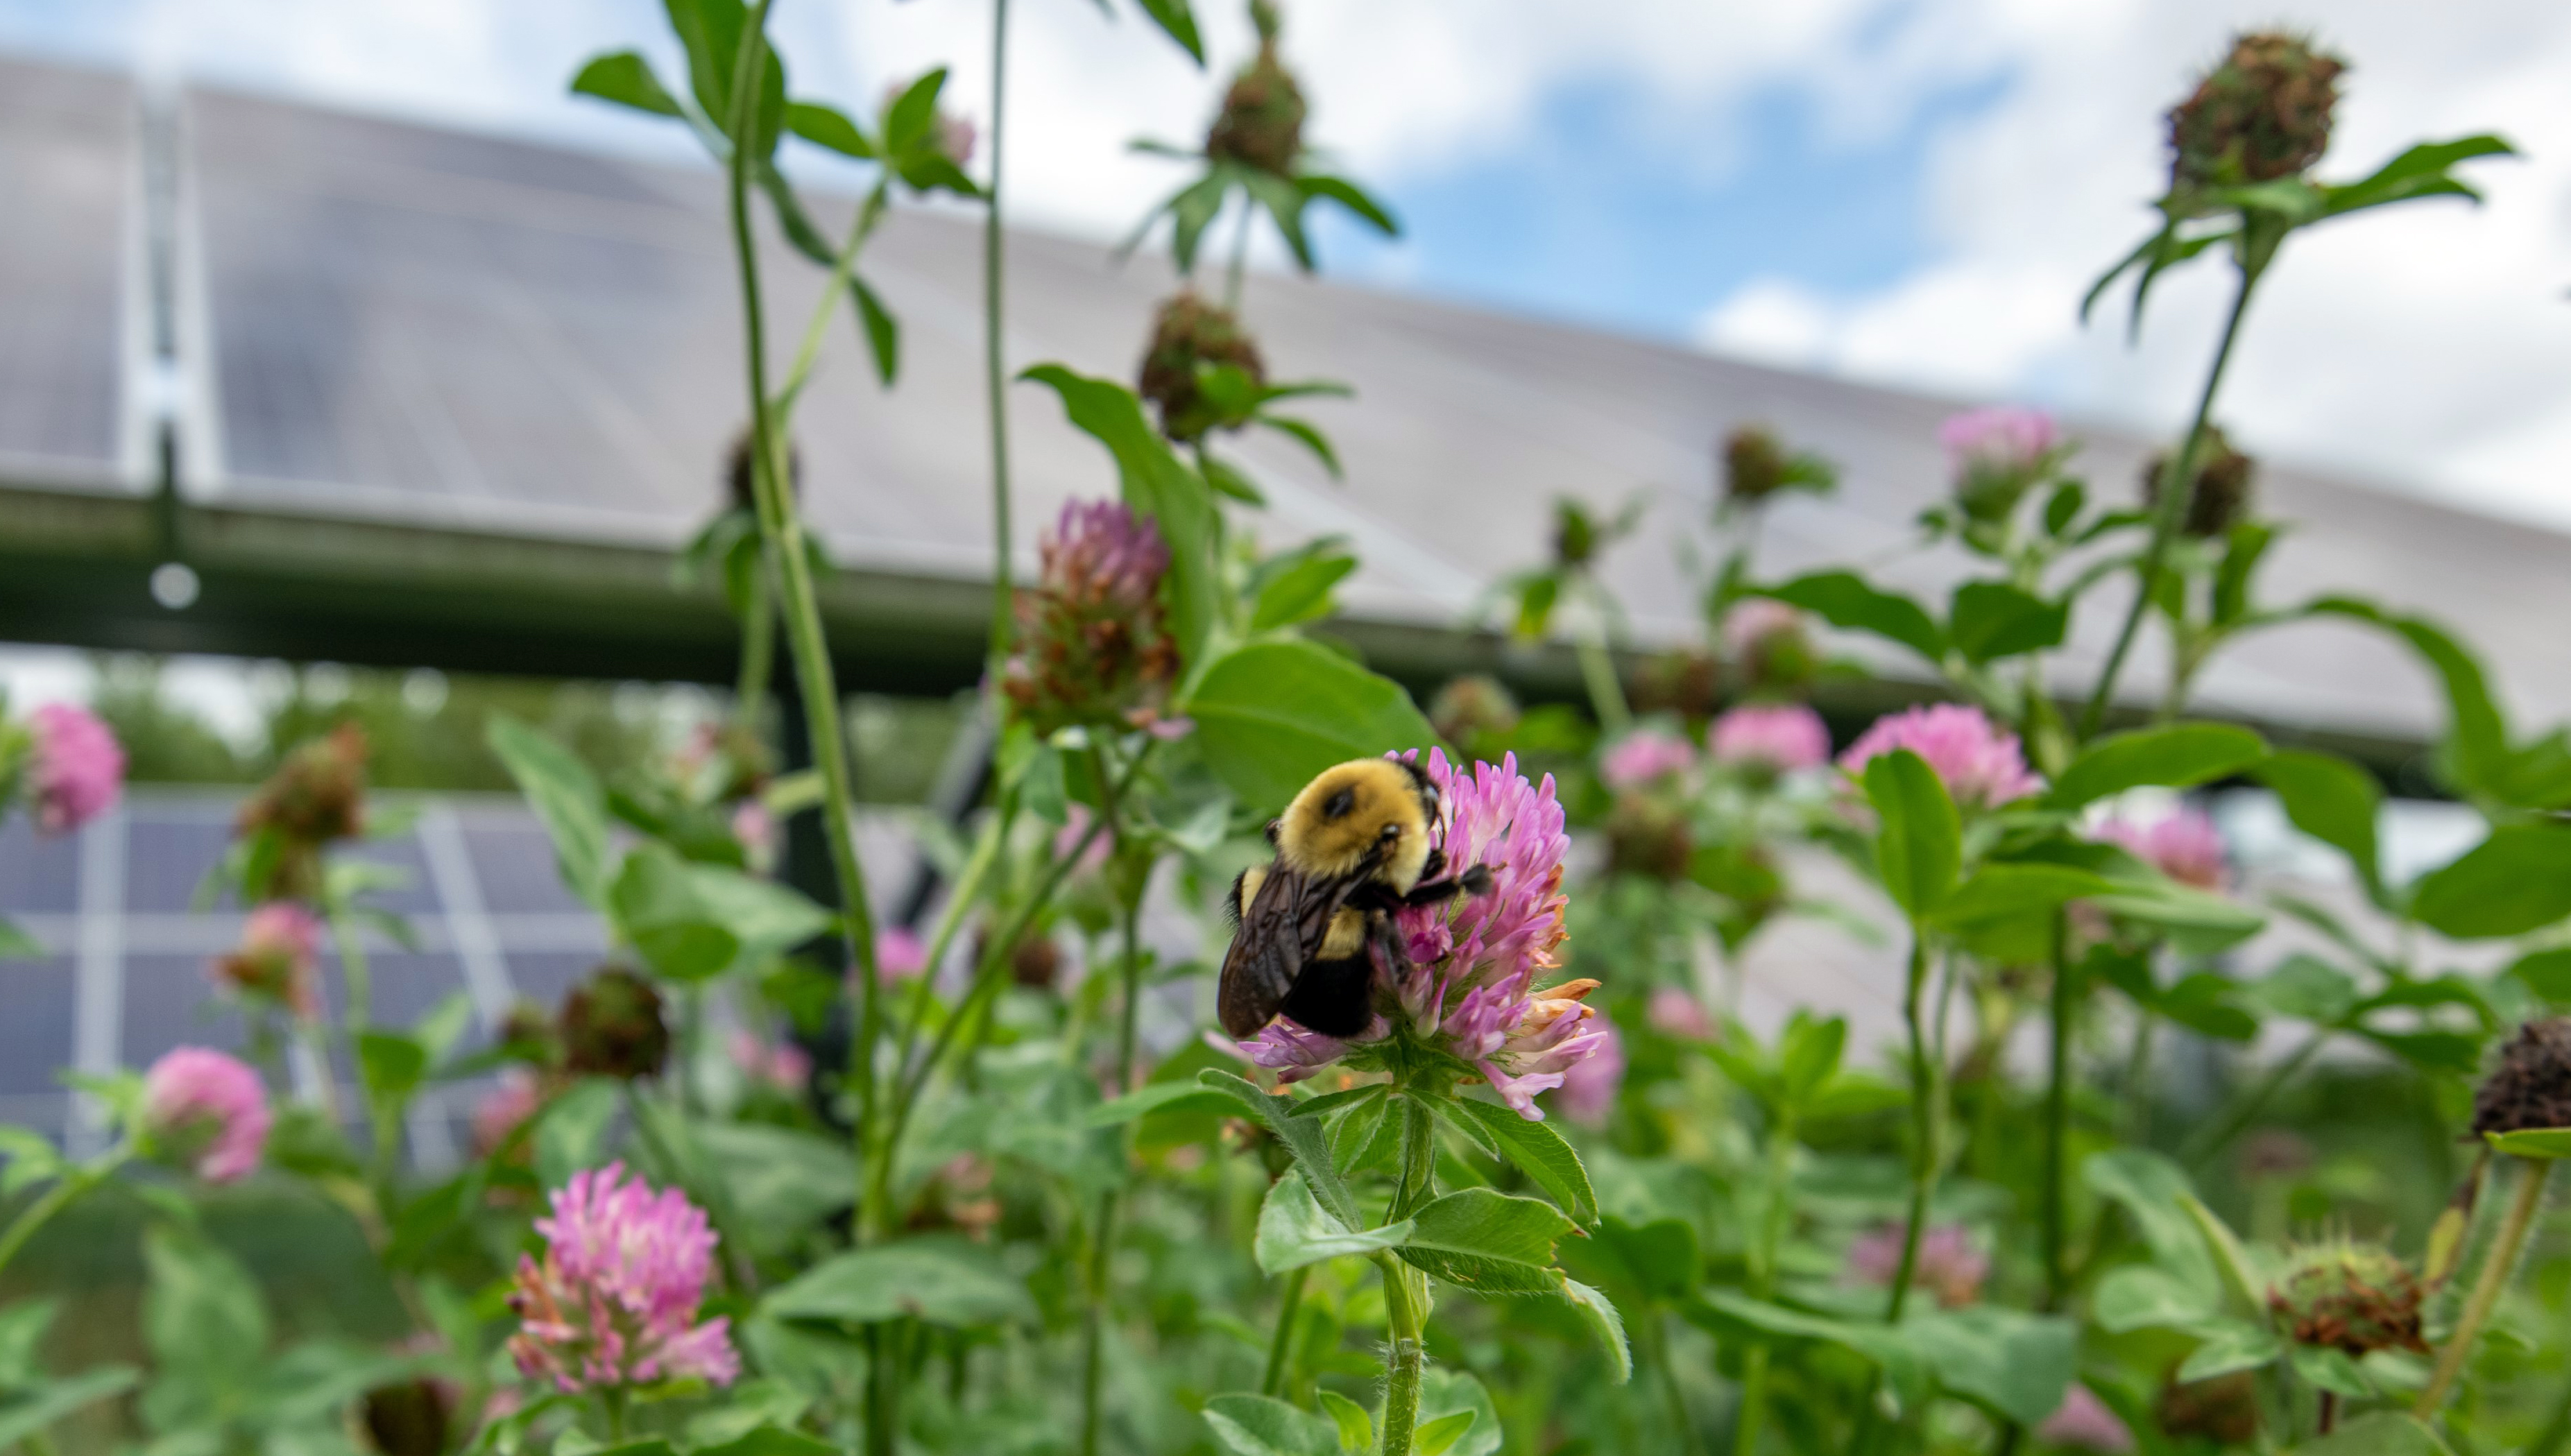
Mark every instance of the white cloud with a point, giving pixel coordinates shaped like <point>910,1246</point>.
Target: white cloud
<point>2428,346</point>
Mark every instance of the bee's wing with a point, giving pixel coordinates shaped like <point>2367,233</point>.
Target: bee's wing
<point>1282,928</point>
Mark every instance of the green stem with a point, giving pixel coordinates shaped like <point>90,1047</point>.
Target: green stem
<point>2057,1111</point>
<point>1598,673</point>
<point>2219,1134</point>
<point>68,1188</point>
<point>612,1398</point>
<point>2506,1245</point>
<point>994,360</point>
<point>781,528</point>
<point>1281,1345</point>
<point>2557,1429</point>
<point>1924,1128</point>
<point>758,652</point>
<point>2178,482</point>
<point>1405,1357</point>
<point>1762,1278</point>
<point>968,887</point>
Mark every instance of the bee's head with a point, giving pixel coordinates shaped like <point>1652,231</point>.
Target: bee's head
<point>1368,815</point>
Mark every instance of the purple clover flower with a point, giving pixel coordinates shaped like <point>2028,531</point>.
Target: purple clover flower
<point>1094,645</point>
<point>208,1109</point>
<point>1644,755</point>
<point>1470,991</point>
<point>2185,845</point>
<point>77,769</point>
<point>1781,737</point>
<point>613,1302</point>
<point>1980,762</point>
<point>278,959</point>
<point>2083,1421</point>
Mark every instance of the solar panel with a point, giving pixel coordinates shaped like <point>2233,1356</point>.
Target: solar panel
<point>64,166</point>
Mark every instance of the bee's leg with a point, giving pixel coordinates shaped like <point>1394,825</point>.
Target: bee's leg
<point>1433,866</point>
<point>1475,881</point>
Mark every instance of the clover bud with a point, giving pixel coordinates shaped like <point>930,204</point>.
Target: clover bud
<point>612,1027</point>
<point>2264,113</point>
<point>1188,334</point>
<point>1470,706</point>
<point>316,797</point>
<point>2353,1298</point>
<point>1753,464</point>
<point>2225,479</point>
<point>1575,535</point>
<point>1261,125</point>
<point>2531,1085</point>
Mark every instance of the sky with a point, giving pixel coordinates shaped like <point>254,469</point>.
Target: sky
<point>1903,192</point>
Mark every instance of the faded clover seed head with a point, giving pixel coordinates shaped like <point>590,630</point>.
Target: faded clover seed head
<point>2353,1298</point>
<point>278,961</point>
<point>1189,334</point>
<point>612,1026</point>
<point>1470,990</point>
<point>1094,645</point>
<point>1978,762</point>
<point>75,767</point>
<point>2531,1087</point>
<point>2264,113</point>
<point>316,798</point>
<point>1261,125</point>
<point>1470,706</point>
<point>1753,464</point>
<point>208,1110</point>
<point>614,1301</point>
<point>2184,845</point>
<point>2226,487</point>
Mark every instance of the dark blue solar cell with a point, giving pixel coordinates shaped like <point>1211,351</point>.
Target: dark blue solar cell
<point>514,863</point>
<point>38,872</point>
<point>405,986</point>
<point>35,1023</point>
<point>169,1003</point>
<point>543,976</point>
<point>418,895</point>
<point>167,853</point>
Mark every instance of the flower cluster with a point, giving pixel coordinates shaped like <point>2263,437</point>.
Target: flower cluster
<point>612,1026</point>
<point>1094,645</point>
<point>1951,1266</point>
<point>614,1301</point>
<point>278,960</point>
<point>2185,845</point>
<point>1997,453</point>
<point>1770,738</point>
<point>2531,1086</point>
<point>2263,114</point>
<point>1261,125</point>
<point>1470,989</point>
<point>1978,762</point>
<point>899,954</point>
<point>206,1109</point>
<point>1645,756</point>
<point>74,767</point>
<point>2353,1298</point>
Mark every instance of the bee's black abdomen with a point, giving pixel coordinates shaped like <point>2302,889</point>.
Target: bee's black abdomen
<point>1334,998</point>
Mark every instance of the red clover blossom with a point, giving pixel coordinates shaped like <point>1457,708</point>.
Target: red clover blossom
<point>76,769</point>
<point>1980,761</point>
<point>614,1301</point>
<point>206,1109</point>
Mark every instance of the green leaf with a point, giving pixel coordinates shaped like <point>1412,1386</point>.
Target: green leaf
<point>391,1064</point>
<point>2547,973</point>
<point>1158,484</point>
<point>1157,1097</point>
<point>203,1315</point>
<point>2378,1433</point>
<point>1352,196</point>
<point>1991,620</point>
<point>2150,1188</point>
<point>783,1180</point>
<point>2231,1262</point>
<point>1294,1230</point>
<point>1846,600</point>
<point>1601,1315</point>
<point>2180,755</point>
<point>1905,1369</point>
<point>882,330</point>
<point>1656,1262</point>
<point>2247,541</point>
<point>1536,1148</point>
<point>691,921</point>
<point>2147,1296</point>
<point>939,1281</point>
<point>32,1158</point>
<point>2419,172</point>
<point>2016,1363</point>
<point>1296,587</point>
<point>1304,1137</point>
<point>1446,1393</point>
<point>2477,736</point>
<point>1919,842</point>
<point>827,125</point>
<point>2544,1143</point>
<point>1434,1439</point>
<point>2230,1346</point>
<point>1489,1242</point>
<point>571,1130</point>
<point>2308,988</point>
<point>16,944</point>
<point>2454,1053</point>
<point>2517,880</point>
<point>565,795</point>
<point>1272,715</point>
<point>2331,799</point>
<point>1179,23</point>
<point>2329,1370</point>
<point>625,78</point>
<point>1356,1430</point>
<point>1262,1425</point>
<point>32,1410</point>
<point>2010,888</point>
<point>771,1440</point>
<point>22,1333</point>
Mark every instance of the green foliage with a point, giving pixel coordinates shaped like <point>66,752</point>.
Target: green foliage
<point>1270,714</point>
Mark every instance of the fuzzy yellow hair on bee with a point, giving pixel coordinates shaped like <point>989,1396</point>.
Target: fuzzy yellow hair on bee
<point>1311,925</point>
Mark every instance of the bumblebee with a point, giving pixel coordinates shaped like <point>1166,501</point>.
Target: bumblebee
<point>1351,850</point>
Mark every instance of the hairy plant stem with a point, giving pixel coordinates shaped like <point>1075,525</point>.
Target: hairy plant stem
<point>1281,1345</point>
<point>1101,1255</point>
<point>2506,1245</point>
<point>1762,1278</point>
<point>2215,1135</point>
<point>968,889</point>
<point>1924,1127</point>
<point>994,354</point>
<point>2178,483</point>
<point>757,654</point>
<point>2057,1112</point>
<point>782,530</point>
<point>1404,1288</point>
